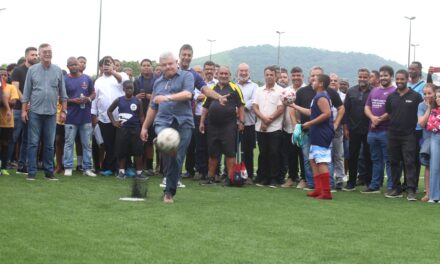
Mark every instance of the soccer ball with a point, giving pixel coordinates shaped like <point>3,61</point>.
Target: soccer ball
<point>168,140</point>
<point>288,96</point>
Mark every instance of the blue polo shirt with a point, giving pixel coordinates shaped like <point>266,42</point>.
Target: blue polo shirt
<point>180,111</point>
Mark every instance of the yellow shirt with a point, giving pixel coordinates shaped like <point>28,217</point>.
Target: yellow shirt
<point>59,108</point>
<point>11,92</point>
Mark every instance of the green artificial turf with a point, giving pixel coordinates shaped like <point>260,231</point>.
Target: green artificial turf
<point>81,220</point>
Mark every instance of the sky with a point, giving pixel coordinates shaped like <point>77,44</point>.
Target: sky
<point>134,30</point>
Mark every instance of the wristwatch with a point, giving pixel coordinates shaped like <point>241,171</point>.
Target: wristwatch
<point>169,98</point>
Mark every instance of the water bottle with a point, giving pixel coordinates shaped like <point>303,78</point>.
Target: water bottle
<point>82,106</point>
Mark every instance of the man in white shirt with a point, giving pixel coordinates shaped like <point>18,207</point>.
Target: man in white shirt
<point>269,110</point>
<point>108,87</point>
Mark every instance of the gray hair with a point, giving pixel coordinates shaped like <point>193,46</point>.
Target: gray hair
<point>166,55</point>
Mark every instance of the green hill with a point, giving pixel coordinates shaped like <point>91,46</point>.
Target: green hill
<point>345,64</point>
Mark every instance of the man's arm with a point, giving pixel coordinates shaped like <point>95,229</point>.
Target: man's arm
<point>141,112</point>
<point>338,119</point>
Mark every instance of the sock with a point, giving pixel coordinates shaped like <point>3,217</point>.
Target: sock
<point>138,172</point>
<point>325,184</point>
<point>122,170</point>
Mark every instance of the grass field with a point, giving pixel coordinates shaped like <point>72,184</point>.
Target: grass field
<point>80,220</point>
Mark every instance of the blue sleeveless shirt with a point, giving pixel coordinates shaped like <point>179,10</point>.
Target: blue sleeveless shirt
<point>321,134</point>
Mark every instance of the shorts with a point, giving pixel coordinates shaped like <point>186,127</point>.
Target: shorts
<point>320,154</point>
<point>151,134</point>
<point>60,131</point>
<point>222,140</point>
<point>6,133</point>
<point>128,142</point>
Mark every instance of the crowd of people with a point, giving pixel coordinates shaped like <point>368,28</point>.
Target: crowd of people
<point>332,138</point>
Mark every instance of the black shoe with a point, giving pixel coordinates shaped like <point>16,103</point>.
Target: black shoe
<point>31,177</point>
<point>394,194</point>
<point>339,186</point>
<point>411,196</point>
<point>22,170</point>
<point>368,190</point>
<point>209,182</point>
<point>50,177</point>
<point>79,168</point>
<point>349,188</point>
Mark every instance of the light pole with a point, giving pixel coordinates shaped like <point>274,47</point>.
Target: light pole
<point>414,53</point>
<point>210,47</point>
<point>409,43</point>
<point>99,38</point>
<point>279,42</point>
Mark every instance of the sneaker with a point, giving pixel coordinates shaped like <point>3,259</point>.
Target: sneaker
<point>89,173</point>
<point>249,181</point>
<point>168,198</point>
<point>50,177</point>
<point>30,177</point>
<point>393,194</point>
<point>273,184</point>
<point>209,182</point>
<point>107,173</point>
<point>309,188</point>
<point>425,198</point>
<point>68,172</point>
<point>79,168</point>
<point>121,175</point>
<point>288,184</point>
<point>349,188</point>
<point>302,184</point>
<point>369,190</point>
<point>130,172</point>
<point>4,172</point>
<point>163,184</point>
<point>339,186</point>
<point>22,170</point>
<point>411,196</point>
<point>180,185</point>
<point>141,176</point>
<point>149,172</point>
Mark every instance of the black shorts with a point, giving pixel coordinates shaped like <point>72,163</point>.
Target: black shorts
<point>60,131</point>
<point>6,133</point>
<point>222,140</point>
<point>128,142</point>
<point>151,134</point>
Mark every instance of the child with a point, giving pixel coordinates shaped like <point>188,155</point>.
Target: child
<point>321,135</point>
<point>128,126</point>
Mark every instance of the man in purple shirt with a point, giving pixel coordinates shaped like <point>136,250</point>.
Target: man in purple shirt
<point>377,135</point>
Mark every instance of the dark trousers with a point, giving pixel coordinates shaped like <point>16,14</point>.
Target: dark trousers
<point>190,159</point>
<point>108,132</point>
<point>402,148</point>
<point>201,148</point>
<point>355,143</point>
<point>269,144</point>
<point>248,141</point>
<point>290,153</point>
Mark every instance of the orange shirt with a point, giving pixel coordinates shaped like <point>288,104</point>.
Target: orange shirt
<point>9,91</point>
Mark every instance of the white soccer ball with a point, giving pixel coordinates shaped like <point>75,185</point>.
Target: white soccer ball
<point>168,140</point>
<point>288,96</point>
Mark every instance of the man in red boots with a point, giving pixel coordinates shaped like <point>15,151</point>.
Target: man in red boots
<point>321,135</point>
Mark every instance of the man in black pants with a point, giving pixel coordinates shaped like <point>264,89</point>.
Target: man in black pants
<point>401,107</point>
<point>356,128</point>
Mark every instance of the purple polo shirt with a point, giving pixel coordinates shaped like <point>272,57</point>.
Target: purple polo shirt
<point>376,101</point>
<point>75,86</point>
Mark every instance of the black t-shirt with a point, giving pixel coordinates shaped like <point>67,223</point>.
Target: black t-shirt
<point>355,116</point>
<point>144,85</point>
<point>305,95</point>
<point>19,75</point>
<point>219,115</point>
<point>403,112</point>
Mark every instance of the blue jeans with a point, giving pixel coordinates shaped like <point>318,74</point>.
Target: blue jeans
<point>378,142</point>
<point>38,125</point>
<point>18,127</point>
<point>85,133</point>
<point>172,165</point>
<point>434,172</point>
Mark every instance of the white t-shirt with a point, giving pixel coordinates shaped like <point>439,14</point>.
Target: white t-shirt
<point>268,101</point>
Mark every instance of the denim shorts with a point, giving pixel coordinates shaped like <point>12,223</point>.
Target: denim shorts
<point>320,154</point>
